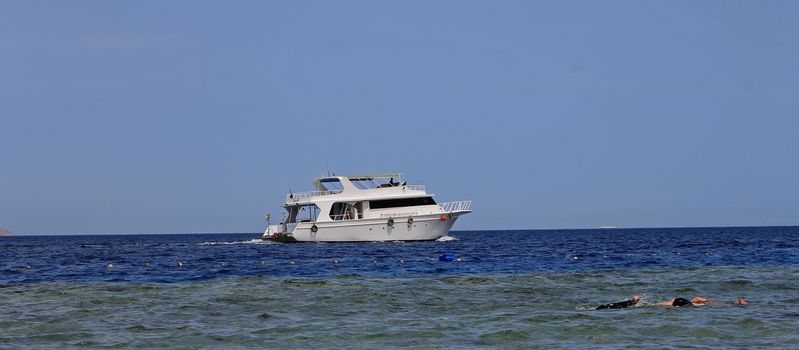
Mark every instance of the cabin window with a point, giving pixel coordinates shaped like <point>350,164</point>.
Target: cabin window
<point>346,211</point>
<point>366,183</point>
<point>332,185</point>
<point>401,202</point>
<point>302,213</point>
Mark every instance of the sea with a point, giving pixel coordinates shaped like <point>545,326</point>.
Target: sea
<point>522,289</point>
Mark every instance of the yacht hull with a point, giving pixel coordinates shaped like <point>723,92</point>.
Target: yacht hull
<point>418,228</point>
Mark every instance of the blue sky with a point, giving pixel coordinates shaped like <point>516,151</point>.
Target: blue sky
<point>197,116</point>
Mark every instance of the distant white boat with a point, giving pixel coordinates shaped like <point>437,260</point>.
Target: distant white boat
<point>607,227</point>
<point>377,207</point>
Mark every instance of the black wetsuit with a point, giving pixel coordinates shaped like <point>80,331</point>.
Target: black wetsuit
<point>681,302</point>
<point>619,305</point>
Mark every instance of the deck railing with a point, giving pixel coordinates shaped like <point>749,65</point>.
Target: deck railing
<point>301,195</point>
<point>415,187</point>
<point>450,207</point>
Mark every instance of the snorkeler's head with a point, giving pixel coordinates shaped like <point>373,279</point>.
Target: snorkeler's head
<point>681,302</point>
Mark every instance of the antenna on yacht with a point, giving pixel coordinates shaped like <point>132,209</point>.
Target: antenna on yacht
<point>291,194</point>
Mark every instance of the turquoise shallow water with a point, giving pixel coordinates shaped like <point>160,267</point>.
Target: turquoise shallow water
<point>511,289</point>
<point>537,310</point>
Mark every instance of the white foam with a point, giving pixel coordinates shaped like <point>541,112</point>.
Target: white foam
<point>446,239</point>
<point>252,241</point>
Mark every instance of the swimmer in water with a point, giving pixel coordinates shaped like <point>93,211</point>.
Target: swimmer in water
<point>698,301</point>
<point>621,305</point>
<point>676,302</point>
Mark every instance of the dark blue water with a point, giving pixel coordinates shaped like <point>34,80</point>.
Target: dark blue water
<point>510,289</point>
<point>155,258</point>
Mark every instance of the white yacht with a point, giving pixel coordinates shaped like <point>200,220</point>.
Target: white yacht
<point>377,207</point>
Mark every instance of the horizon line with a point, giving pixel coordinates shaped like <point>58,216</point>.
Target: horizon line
<point>462,230</point>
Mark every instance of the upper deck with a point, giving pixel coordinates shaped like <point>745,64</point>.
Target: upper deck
<point>357,186</point>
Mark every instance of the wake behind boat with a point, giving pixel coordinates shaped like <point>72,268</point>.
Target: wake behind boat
<point>365,208</point>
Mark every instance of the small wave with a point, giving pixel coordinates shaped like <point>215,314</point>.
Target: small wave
<point>446,239</point>
<point>252,241</point>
